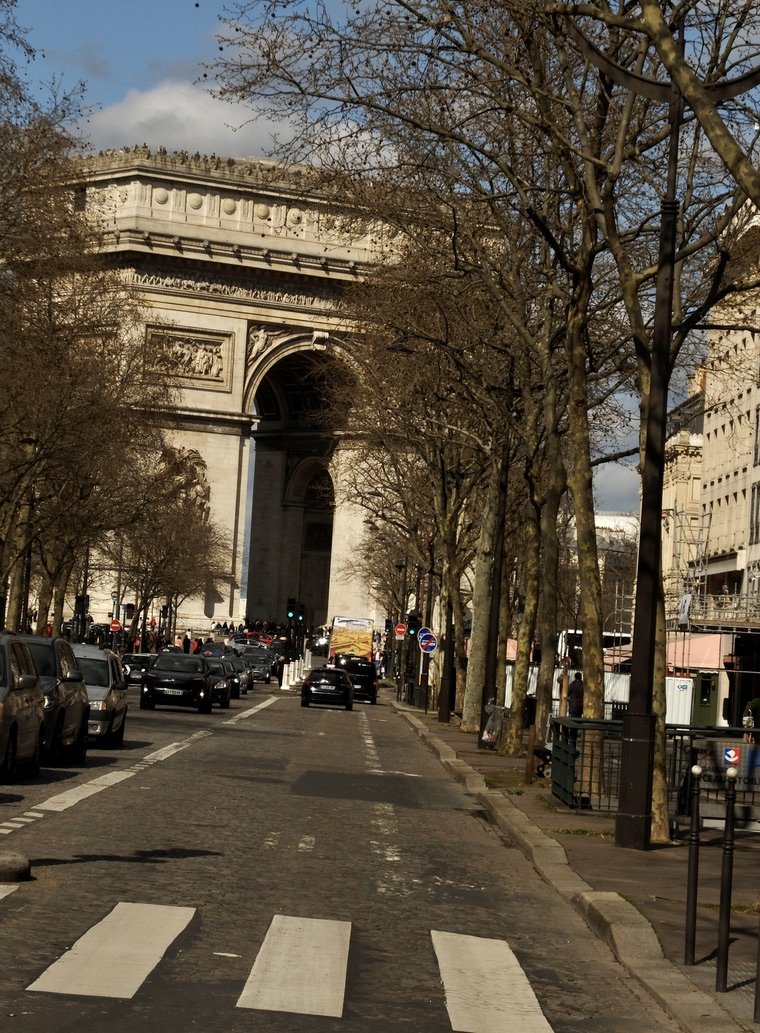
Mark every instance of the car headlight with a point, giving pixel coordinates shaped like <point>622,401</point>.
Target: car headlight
<point>98,704</point>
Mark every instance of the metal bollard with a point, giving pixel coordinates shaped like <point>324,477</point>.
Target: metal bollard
<point>726,881</point>
<point>693,871</point>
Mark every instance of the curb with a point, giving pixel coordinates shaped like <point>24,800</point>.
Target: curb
<point>629,936</point>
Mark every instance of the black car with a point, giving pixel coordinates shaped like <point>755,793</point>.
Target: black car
<point>328,685</point>
<point>67,707</point>
<point>226,683</point>
<point>243,671</point>
<point>179,680</point>
<point>260,662</point>
<point>363,673</point>
<point>135,665</point>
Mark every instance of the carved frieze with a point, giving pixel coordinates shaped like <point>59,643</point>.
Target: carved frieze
<point>196,358</point>
<point>220,285</point>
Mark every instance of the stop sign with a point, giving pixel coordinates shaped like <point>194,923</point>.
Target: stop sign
<point>115,625</point>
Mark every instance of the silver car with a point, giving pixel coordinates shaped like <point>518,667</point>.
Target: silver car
<point>107,691</point>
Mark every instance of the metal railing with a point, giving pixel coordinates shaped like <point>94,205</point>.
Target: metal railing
<point>585,766</point>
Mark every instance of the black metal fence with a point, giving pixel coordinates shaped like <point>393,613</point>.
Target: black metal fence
<point>585,767</point>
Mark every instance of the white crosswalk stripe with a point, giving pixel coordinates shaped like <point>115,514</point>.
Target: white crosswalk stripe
<point>301,968</point>
<point>114,957</point>
<point>486,988</point>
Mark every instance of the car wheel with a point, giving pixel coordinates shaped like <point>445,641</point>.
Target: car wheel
<point>8,766</point>
<point>117,738</point>
<point>304,701</point>
<point>77,752</point>
<point>350,705</point>
<point>36,762</point>
<point>206,706</point>
<point>373,701</point>
<point>235,694</point>
<point>146,704</point>
<point>225,703</point>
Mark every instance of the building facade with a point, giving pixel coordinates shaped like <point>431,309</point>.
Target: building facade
<point>239,268</point>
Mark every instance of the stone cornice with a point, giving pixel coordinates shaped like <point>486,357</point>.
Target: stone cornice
<point>213,210</point>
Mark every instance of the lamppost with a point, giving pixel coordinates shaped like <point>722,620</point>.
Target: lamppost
<point>634,817</point>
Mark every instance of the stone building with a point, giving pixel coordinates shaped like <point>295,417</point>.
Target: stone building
<point>240,267</point>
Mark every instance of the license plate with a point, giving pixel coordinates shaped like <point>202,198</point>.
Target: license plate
<point>172,692</point>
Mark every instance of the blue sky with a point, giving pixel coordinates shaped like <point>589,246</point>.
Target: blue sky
<point>140,60</point>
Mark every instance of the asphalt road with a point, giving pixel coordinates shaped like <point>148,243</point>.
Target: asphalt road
<point>277,868</point>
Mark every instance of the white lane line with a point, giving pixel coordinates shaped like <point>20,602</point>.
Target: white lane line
<point>300,968</point>
<point>6,889</point>
<point>253,710</point>
<point>73,796</point>
<point>115,957</point>
<point>306,844</point>
<point>486,988</point>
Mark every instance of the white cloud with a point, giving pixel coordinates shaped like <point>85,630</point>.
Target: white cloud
<point>179,116</point>
<point>616,488</point>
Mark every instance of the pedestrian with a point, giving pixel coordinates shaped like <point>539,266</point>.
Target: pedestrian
<point>575,696</point>
<point>186,642</point>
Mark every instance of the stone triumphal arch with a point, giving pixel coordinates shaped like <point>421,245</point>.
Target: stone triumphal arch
<point>239,268</point>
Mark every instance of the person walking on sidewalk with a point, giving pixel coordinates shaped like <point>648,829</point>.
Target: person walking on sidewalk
<point>575,696</point>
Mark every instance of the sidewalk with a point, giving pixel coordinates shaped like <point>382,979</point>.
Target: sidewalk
<point>634,900</point>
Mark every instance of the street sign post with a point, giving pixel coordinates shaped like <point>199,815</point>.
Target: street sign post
<point>400,631</point>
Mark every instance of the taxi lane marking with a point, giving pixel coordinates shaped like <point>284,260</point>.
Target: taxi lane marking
<point>252,710</point>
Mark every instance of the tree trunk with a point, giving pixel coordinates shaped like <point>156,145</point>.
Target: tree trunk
<point>514,723</point>
<point>481,601</point>
<point>660,813</point>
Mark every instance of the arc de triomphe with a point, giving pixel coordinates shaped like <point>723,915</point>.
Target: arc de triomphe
<point>239,267</point>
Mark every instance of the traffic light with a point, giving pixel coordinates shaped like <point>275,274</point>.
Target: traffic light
<point>129,611</point>
<point>413,623</point>
<point>291,609</point>
<point>301,612</point>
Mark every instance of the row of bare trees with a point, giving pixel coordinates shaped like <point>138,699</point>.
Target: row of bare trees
<point>524,180</point>
<point>86,476</point>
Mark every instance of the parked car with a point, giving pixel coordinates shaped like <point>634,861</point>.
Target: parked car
<point>363,673</point>
<point>225,681</point>
<point>134,666</point>
<point>260,661</point>
<point>243,672</point>
<point>106,690</point>
<point>22,709</point>
<point>67,707</point>
<point>328,685</point>
<point>177,679</point>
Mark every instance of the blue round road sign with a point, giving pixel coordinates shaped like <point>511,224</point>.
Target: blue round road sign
<point>427,640</point>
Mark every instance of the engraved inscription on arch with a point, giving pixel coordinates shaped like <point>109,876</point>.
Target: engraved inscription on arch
<point>196,358</point>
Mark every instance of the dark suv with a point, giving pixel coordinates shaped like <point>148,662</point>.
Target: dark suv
<point>22,720</point>
<point>363,673</point>
<point>67,707</point>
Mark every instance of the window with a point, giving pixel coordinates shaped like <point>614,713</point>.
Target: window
<point>756,449</point>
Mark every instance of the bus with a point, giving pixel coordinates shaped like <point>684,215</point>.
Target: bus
<point>570,645</point>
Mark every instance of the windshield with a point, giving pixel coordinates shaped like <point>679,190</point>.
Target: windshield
<point>177,662</point>
<point>95,671</point>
